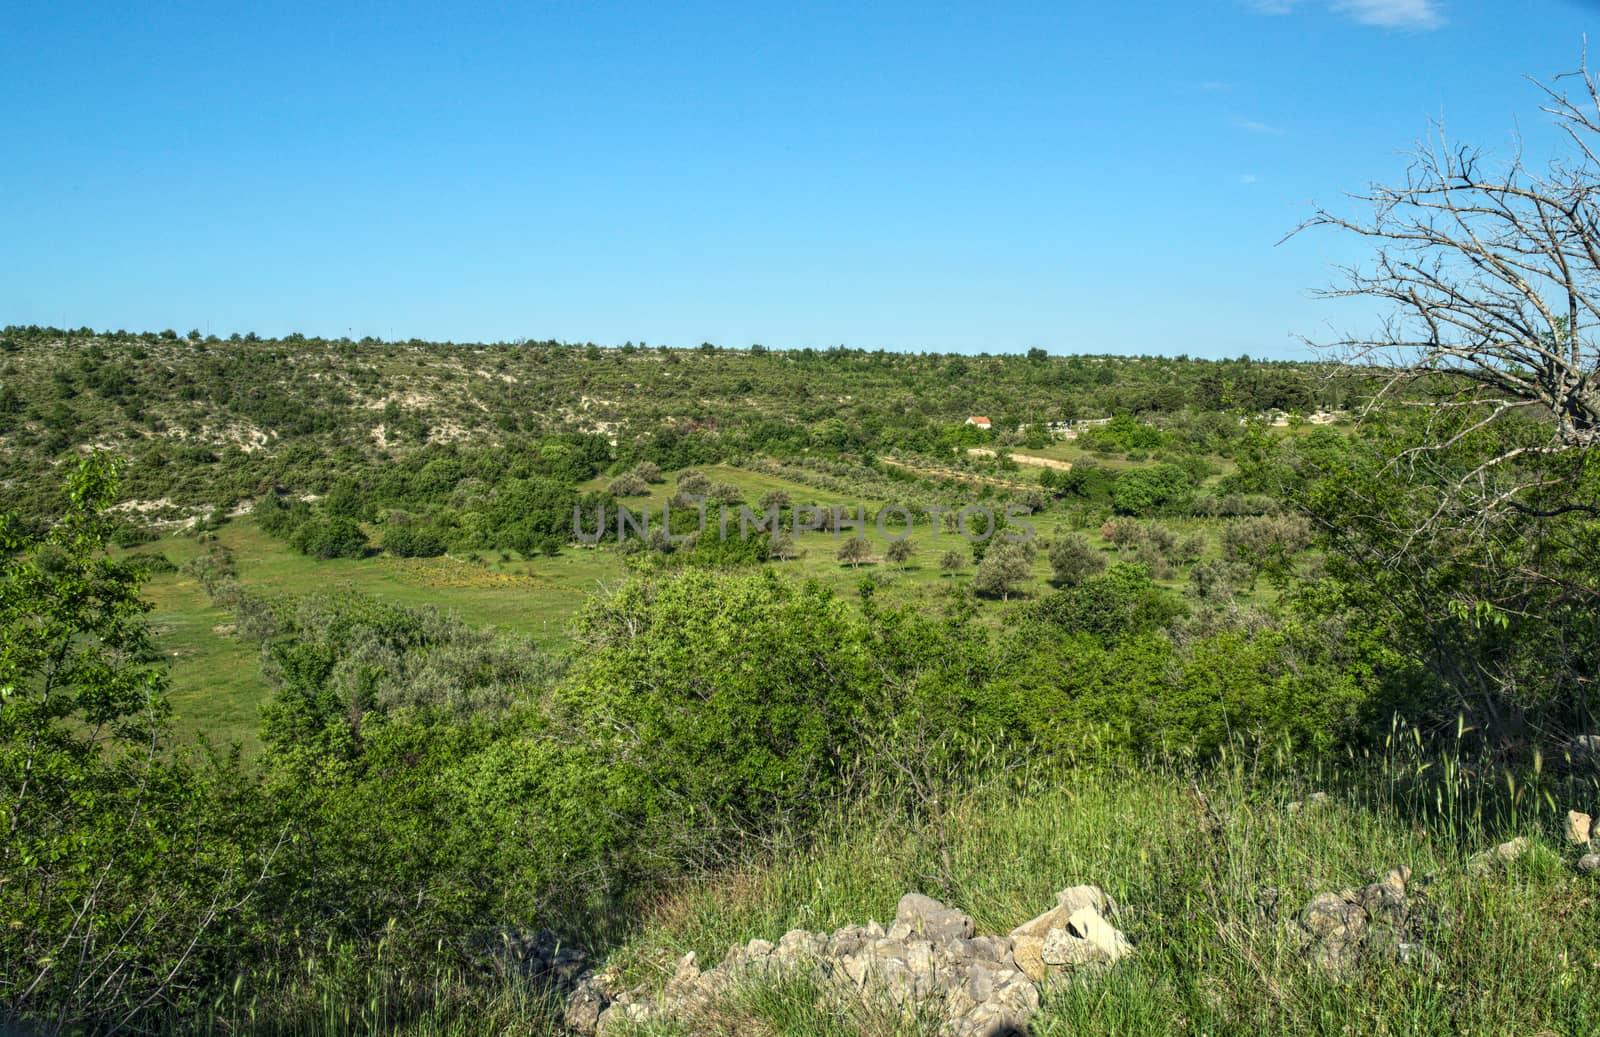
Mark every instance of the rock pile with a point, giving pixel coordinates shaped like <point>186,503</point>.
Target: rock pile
<point>1380,921</point>
<point>929,962</point>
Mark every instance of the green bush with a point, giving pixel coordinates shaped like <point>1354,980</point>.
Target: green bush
<point>1162,488</point>
<point>324,538</point>
<point>411,542</point>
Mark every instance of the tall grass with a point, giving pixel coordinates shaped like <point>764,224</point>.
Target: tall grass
<point>1209,862</point>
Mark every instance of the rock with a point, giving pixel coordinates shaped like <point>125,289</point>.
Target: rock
<point>929,964</point>
<point>978,950</point>
<point>1337,924</point>
<point>799,945</point>
<point>1331,914</point>
<point>1383,921</point>
<point>1087,939</point>
<point>1481,865</point>
<point>1578,828</point>
<point>621,1015</point>
<point>1028,952</point>
<point>928,918</point>
<point>1585,745</point>
<point>1316,799</point>
<point>1028,939</point>
<point>1076,897</point>
<point>1589,863</point>
<point>583,1007</point>
<point>1385,900</point>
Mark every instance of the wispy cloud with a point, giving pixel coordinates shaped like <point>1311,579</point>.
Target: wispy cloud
<point>1393,14</point>
<point>1384,14</point>
<point>1248,178</point>
<point>1256,126</point>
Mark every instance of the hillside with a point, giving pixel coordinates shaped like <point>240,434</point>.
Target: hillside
<point>416,688</point>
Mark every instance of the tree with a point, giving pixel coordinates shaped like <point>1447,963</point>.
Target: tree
<point>116,878</point>
<point>1493,275</point>
<point>952,561</point>
<point>1145,491</point>
<point>1461,519</point>
<point>335,537</point>
<point>1004,566</point>
<point>899,552</point>
<point>1072,558</point>
<point>1266,544</point>
<point>853,551</point>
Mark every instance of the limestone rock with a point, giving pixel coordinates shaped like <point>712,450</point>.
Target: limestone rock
<point>1029,938</point>
<point>581,1012</point>
<point>928,918</point>
<point>1482,865</point>
<point>1585,745</point>
<point>1578,825</point>
<point>1589,863</point>
<point>930,963</point>
<point>1386,921</point>
<point>1087,939</point>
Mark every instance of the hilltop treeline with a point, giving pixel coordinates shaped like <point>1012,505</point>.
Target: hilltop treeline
<point>214,421</point>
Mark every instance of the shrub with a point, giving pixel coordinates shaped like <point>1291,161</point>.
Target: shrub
<point>729,699</point>
<point>853,551</point>
<point>324,538</point>
<point>1122,602</point>
<point>412,542</point>
<point>1004,567</point>
<point>1148,491</point>
<point>1073,558</point>
<point>629,484</point>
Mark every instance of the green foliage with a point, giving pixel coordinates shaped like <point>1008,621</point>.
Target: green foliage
<point>329,537</point>
<point>413,542</point>
<point>1073,558</point>
<point>1122,434</point>
<point>1499,605</point>
<point>1159,489</point>
<point>119,864</point>
<point>733,699</point>
<point>1002,569</point>
<point>1122,603</point>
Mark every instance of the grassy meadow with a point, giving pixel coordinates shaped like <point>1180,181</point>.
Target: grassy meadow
<point>216,684</point>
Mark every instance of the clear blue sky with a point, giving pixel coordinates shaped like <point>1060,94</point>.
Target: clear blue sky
<point>1079,176</point>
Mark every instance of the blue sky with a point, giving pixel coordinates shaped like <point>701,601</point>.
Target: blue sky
<point>1085,177</point>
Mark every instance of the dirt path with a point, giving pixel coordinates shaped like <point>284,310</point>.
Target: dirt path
<point>1037,462</point>
<point>940,471</point>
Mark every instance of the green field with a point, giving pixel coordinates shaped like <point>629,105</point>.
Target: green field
<point>217,686</point>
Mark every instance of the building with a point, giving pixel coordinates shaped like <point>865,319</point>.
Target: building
<point>978,420</point>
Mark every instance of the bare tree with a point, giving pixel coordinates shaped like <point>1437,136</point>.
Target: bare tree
<point>1467,530</point>
<point>1493,273</point>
